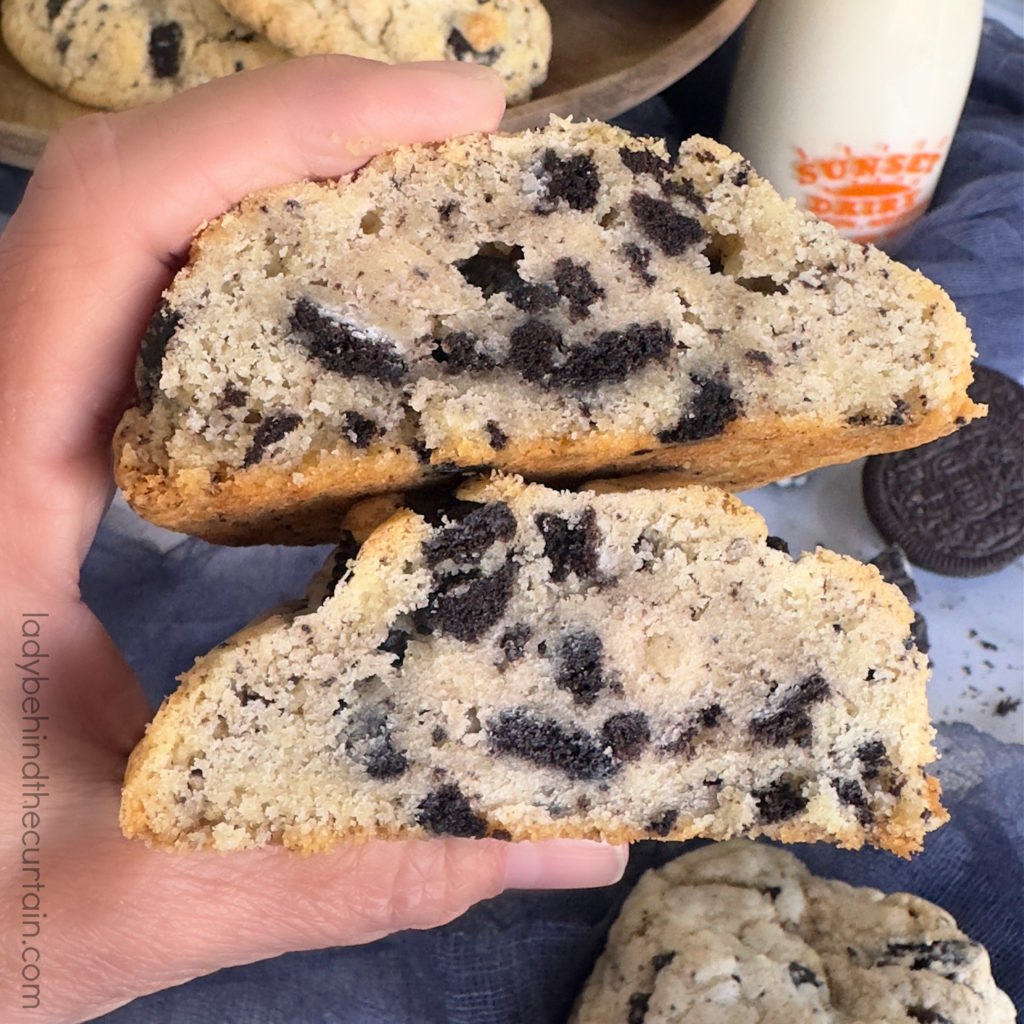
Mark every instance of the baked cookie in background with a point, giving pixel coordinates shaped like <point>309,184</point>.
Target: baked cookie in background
<point>740,931</point>
<point>511,36</point>
<point>523,662</point>
<point>122,53</point>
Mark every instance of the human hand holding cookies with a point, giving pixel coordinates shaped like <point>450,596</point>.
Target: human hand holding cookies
<point>92,919</point>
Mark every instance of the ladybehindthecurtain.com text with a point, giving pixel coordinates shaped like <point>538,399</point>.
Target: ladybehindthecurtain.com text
<point>31,667</point>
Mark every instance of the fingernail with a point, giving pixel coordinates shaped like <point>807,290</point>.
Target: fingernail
<point>564,864</point>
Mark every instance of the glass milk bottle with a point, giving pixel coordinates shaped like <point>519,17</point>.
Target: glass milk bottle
<point>849,106</point>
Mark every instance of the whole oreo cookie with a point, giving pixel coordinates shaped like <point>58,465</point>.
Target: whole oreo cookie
<point>956,506</point>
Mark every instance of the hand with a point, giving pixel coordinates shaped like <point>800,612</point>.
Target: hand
<point>88,919</point>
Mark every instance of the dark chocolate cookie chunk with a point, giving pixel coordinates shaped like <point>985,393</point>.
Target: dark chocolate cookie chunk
<point>892,563</point>
<point>956,506</point>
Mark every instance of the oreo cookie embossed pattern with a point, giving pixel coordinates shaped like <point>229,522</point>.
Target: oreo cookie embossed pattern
<point>956,506</point>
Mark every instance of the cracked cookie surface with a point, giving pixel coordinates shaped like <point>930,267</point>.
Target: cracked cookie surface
<point>118,54</point>
<point>562,303</point>
<point>522,662</point>
<point>740,931</point>
<point>511,36</point>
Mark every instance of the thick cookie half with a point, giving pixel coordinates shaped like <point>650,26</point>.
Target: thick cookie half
<point>738,932</point>
<point>528,663</point>
<point>562,303</point>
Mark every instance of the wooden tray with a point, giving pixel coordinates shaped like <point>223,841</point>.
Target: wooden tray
<point>608,55</point>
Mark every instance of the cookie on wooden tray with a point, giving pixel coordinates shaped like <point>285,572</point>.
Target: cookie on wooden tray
<point>739,931</point>
<point>526,662</point>
<point>511,36</point>
<point>565,302</point>
<point>119,53</point>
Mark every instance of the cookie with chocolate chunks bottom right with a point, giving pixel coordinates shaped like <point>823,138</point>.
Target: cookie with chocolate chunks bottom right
<point>118,53</point>
<point>739,931</point>
<point>563,303</point>
<point>956,506</point>
<point>511,36</point>
<point>523,663</point>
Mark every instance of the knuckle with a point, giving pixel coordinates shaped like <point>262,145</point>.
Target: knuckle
<point>82,157</point>
<point>439,880</point>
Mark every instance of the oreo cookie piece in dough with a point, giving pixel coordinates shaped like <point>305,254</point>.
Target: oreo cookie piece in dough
<point>956,506</point>
<point>118,53</point>
<point>562,303</point>
<point>534,663</point>
<point>738,932</point>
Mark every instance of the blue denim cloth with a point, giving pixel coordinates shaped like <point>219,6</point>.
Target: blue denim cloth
<point>521,958</point>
